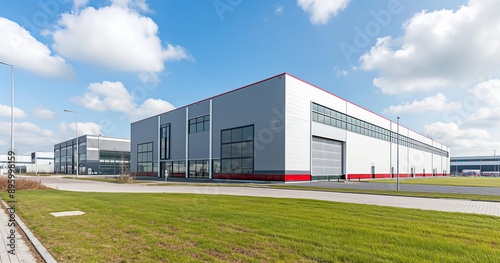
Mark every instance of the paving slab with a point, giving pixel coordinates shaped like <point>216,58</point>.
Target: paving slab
<point>68,213</point>
<point>22,250</point>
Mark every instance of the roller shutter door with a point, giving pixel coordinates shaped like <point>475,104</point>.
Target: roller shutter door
<point>326,159</point>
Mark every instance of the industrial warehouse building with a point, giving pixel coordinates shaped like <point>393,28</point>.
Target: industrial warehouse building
<point>36,163</point>
<point>479,163</point>
<point>97,155</point>
<point>280,129</point>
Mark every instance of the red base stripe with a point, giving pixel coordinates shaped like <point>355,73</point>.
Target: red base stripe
<point>264,177</point>
<point>146,174</point>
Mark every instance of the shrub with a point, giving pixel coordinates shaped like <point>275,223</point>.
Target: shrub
<point>22,184</point>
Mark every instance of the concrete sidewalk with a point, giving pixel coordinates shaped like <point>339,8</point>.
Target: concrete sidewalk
<point>437,204</point>
<point>22,251</point>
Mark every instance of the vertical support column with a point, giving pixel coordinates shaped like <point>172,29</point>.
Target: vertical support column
<point>187,141</point>
<point>159,147</point>
<point>310,141</point>
<point>210,168</point>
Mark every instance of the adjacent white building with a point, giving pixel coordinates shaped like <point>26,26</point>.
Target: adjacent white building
<point>37,163</point>
<point>280,129</point>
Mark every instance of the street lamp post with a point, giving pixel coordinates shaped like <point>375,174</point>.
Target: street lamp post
<point>397,185</point>
<point>12,105</point>
<point>114,163</point>
<point>76,132</point>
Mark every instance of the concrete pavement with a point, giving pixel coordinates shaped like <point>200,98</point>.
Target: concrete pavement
<point>22,251</point>
<point>445,204</point>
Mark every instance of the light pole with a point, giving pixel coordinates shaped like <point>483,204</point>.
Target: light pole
<point>12,105</point>
<point>76,132</point>
<point>114,163</point>
<point>99,152</point>
<point>397,185</point>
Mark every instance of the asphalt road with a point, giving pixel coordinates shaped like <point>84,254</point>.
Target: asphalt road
<point>407,187</point>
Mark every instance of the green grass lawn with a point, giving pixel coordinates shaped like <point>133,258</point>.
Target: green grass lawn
<point>455,181</point>
<point>186,227</point>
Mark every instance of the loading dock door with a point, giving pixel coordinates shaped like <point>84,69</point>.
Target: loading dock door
<point>326,159</point>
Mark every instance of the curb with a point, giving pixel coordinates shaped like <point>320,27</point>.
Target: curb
<point>42,251</point>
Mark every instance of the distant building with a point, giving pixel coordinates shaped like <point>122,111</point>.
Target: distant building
<point>37,163</point>
<point>97,155</point>
<point>281,129</point>
<point>482,163</point>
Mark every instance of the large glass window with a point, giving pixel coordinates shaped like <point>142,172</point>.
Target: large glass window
<point>145,157</point>
<point>174,169</point>
<point>113,162</point>
<point>237,150</point>
<point>165,141</point>
<point>338,119</point>
<point>198,169</point>
<point>199,124</point>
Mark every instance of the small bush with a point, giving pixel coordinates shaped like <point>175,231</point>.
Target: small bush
<point>22,184</point>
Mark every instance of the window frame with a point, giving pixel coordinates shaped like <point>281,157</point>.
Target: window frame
<point>238,142</point>
<point>140,152</point>
<point>202,121</point>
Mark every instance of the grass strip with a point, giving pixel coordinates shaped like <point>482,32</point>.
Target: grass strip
<point>185,227</point>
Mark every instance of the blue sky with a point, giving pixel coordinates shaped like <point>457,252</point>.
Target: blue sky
<point>434,63</point>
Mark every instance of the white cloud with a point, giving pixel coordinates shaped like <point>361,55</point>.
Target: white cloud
<point>488,115</point>
<point>22,50</point>
<point>69,129</point>
<point>114,96</point>
<point>342,73</point>
<point>29,136</point>
<point>484,117</point>
<point>106,96</point>
<point>488,91</point>
<point>43,113</point>
<point>442,48</point>
<point>18,113</point>
<point>77,4</point>
<point>450,131</point>
<point>279,9</point>
<point>117,37</point>
<point>435,103</point>
<point>320,11</point>
<point>149,108</point>
<point>133,4</point>
<point>461,142</point>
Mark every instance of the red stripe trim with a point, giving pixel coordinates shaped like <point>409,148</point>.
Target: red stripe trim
<point>146,174</point>
<point>264,177</point>
<point>298,177</point>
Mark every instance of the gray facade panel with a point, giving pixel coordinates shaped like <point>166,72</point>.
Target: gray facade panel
<point>263,106</point>
<point>92,154</point>
<point>198,145</point>
<point>93,143</point>
<point>177,120</point>
<point>142,132</point>
<point>199,109</point>
<point>327,131</point>
<point>114,145</point>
